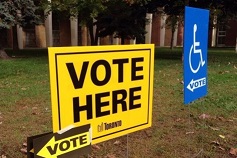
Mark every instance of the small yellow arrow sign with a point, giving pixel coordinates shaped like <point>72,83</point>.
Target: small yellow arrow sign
<point>55,148</point>
<point>32,150</point>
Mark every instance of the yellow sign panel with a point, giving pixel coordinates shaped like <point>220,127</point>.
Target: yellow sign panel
<point>109,87</point>
<point>66,143</point>
<point>55,148</point>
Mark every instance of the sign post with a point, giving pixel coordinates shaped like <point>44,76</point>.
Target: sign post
<point>108,87</point>
<point>195,53</point>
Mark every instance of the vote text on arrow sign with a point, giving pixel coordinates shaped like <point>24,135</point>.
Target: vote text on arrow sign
<point>194,84</point>
<point>55,148</point>
<point>68,142</point>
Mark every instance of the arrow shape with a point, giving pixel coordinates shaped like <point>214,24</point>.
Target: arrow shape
<point>194,84</point>
<point>32,150</point>
<point>55,148</point>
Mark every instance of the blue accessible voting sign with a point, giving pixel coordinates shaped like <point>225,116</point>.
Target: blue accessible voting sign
<point>195,53</point>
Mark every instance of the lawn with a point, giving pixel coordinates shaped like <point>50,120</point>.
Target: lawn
<point>205,128</point>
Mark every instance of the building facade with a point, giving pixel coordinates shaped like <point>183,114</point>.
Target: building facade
<point>63,32</point>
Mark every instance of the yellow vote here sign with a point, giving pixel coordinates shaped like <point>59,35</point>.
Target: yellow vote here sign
<point>108,87</point>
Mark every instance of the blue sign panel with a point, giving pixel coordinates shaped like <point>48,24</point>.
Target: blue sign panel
<point>195,53</point>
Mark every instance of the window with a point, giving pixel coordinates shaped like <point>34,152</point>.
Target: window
<point>221,35</point>
<point>30,39</point>
<point>3,38</point>
<point>56,30</point>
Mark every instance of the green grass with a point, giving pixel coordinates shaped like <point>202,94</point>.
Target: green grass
<point>177,130</point>
<point>24,102</point>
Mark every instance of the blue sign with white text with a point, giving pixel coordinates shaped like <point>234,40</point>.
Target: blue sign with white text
<point>195,53</point>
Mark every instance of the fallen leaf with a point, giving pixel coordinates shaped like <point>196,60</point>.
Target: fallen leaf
<point>25,107</point>
<point>34,108</point>
<point>35,113</point>
<point>96,147</point>
<point>204,116</point>
<point>221,118</point>
<point>117,142</point>
<point>179,119</point>
<point>23,150</point>
<point>233,151</point>
<point>24,144</point>
<point>221,148</point>
<point>23,89</point>
<point>215,142</point>
<point>110,156</point>
<point>189,133</point>
<point>214,128</point>
<point>223,137</point>
<point>3,156</point>
<point>148,133</point>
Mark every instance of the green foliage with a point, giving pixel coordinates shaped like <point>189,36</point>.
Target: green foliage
<point>122,19</point>
<point>89,9</point>
<point>222,10</point>
<point>125,19</point>
<point>28,12</point>
<point>86,10</point>
<point>18,12</point>
<point>21,12</point>
<point>5,17</point>
<point>174,7</point>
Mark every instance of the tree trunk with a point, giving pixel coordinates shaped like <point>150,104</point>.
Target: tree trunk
<point>84,35</point>
<point>91,35</point>
<point>3,54</point>
<point>236,46</point>
<point>15,40</point>
<point>90,28</point>
<point>186,2</point>
<point>172,39</point>
<point>96,37</point>
<point>122,40</point>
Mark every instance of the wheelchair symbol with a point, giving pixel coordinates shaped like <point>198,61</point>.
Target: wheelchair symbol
<point>194,50</point>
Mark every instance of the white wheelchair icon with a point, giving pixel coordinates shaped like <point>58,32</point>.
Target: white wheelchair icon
<point>194,50</point>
